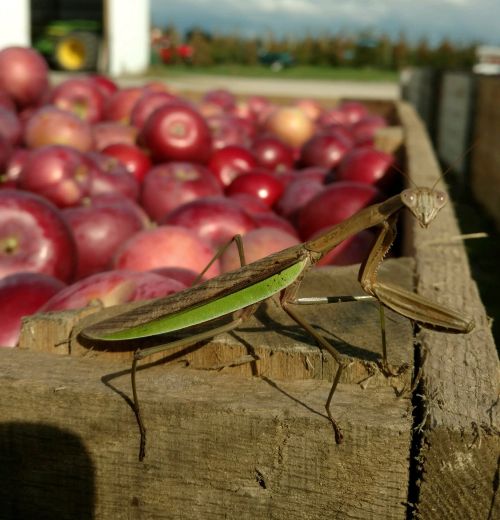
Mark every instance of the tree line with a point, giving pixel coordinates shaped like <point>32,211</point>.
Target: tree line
<point>364,49</point>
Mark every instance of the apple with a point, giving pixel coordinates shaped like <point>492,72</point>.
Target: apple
<point>228,130</point>
<point>335,203</point>
<point>365,129</point>
<point>352,250</point>
<point>311,108</point>
<point>99,231</point>
<point>105,84</point>
<point>119,105</point>
<point>81,96</point>
<point>353,110</point>
<point>367,165</point>
<point>6,102</point>
<point>34,237</point>
<point>215,219</point>
<point>250,203</point>
<point>272,153</point>
<point>108,175</point>
<point>15,163</point>
<point>116,199</point>
<point>169,185</point>
<point>112,288</point>
<point>147,104</point>
<point>257,244</point>
<point>259,183</point>
<point>107,133</point>
<point>58,173</point>
<point>177,132</point>
<point>272,220</point>
<point>296,195</point>
<point>221,97</point>
<point>132,157</point>
<point>291,125</point>
<point>185,276</point>
<point>5,155</point>
<point>51,125</point>
<point>166,246</point>
<point>323,150</point>
<point>10,126</point>
<point>333,116</point>
<point>231,161</point>
<point>23,75</point>
<point>259,108</point>
<point>22,294</point>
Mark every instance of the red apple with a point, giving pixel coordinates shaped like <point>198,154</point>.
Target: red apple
<point>34,237</point>
<point>172,184</point>
<point>15,164</point>
<point>119,105</point>
<point>335,203</point>
<point>257,244</point>
<point>99,231</point>
<point>365,129</point>
<point>367,165</point>
<point>107,133</point>
<point>272,220</point>
<point>221,97</point>
<point>177,132</point>
<point>10,126</point>
<point>22,294</point>
<point>116,199</point>
<point>296,195</point>
<point>147,104</point>
<point>250,203</point>
<point>132,157</point>
<point>112,288</point>
<point>324,150</point>
<point>81,96</point>
<point>23,75</point>
<point>272,153</point>
<point>51,125</point>
<point>166,246</point>
<point>105,83</point>
<point>353,250</point>
<point>259,183</point>
<point>228,130</point>
<point>291,125</point>
<point>215,219</point>
<point>108,175</point>
<point>5,155</point>
<point>185,276</point>
<point>6,101</point>
<point>311,108</point>
<point>58,173</point>
<point>354,111</point>
<point>230,162</point>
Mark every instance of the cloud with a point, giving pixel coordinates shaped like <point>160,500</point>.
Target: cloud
<point>464,20</point>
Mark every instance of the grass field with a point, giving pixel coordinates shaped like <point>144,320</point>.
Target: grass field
<point>259,71</point>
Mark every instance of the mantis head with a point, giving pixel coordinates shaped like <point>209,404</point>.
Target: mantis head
<point>424,203</point>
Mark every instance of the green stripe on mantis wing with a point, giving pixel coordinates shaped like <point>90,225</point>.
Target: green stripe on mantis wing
<point>204,312</point>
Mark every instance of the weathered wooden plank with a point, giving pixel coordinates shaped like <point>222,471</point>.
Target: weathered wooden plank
<point>461,374</point>
<point>219,445</point>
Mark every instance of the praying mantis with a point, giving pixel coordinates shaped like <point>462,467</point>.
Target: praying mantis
<point>236,295</point>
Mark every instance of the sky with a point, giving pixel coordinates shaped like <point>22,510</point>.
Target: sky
<point>463,21</point>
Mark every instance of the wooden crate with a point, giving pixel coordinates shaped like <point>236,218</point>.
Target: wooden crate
<point>454,125</point>
<point>236,428</point>
<point>485,168</point>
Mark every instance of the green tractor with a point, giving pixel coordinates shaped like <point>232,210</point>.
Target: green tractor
<point>71,45</point>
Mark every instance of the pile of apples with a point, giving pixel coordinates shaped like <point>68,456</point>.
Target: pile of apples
<point>113,194</point>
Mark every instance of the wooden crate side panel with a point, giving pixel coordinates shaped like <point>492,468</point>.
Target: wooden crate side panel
<point>461,374</point>
<point>218,446</point>
<point>485,173</point>
<point>454,120</point>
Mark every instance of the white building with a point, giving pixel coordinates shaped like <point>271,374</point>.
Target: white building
<point>122,34</point>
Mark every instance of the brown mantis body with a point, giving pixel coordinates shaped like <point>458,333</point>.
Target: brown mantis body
<point>238,293</point>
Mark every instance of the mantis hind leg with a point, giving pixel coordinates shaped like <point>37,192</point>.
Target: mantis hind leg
<point>339,358</point>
